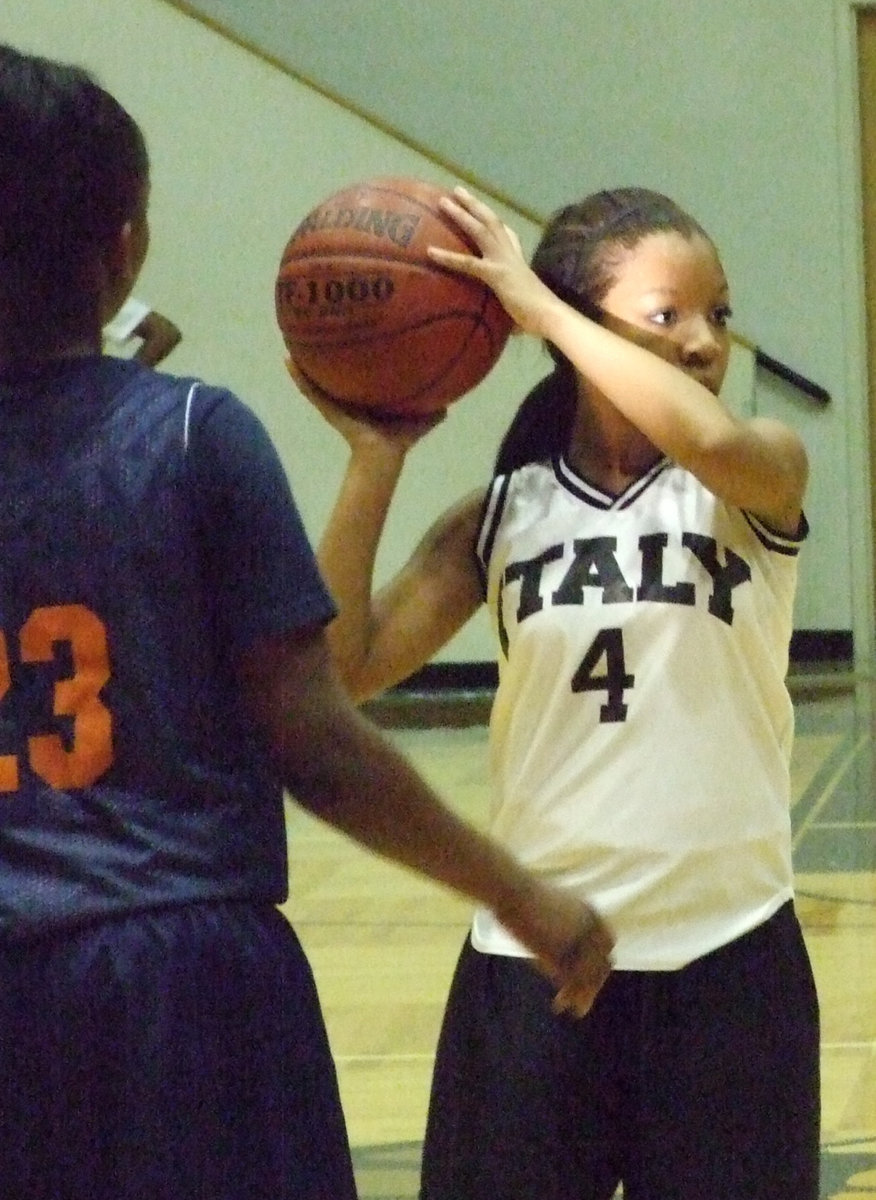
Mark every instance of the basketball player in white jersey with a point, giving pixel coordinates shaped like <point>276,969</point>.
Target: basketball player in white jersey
<point>637,549</point>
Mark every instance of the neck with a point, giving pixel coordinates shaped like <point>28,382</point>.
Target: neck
<point>608,449</point>
<point>55,352</point>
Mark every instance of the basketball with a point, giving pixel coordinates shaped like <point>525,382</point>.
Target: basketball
<point>369,317</point>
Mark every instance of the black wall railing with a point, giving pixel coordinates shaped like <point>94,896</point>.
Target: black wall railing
<point>814,391</point>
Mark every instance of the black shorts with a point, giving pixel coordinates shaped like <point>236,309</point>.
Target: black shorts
<point>171,1055</point>
<point>697,1084</point>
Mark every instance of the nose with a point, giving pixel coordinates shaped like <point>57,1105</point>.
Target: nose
<point>702,342</point>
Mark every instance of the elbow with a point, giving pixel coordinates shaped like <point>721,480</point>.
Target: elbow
<point>790,480</point>
<point>360,684</point>
<point>352,668</point>
<point>355,683</point>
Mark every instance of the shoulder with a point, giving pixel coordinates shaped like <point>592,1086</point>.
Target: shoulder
<point>785,533</point>
<point>218,439</point>
<point>217,419</point>
<point>529,485</point>
<point>700,507</point>
<point>454,533</point>
<point>202,413</point>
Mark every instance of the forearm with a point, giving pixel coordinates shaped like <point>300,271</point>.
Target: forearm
<point>348,550</point>
<point>368,791</point>
<point>757,464</point>
<point>341,768</point>
<point>674,411</point>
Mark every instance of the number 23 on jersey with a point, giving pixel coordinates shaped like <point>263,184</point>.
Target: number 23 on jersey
<point>89,752</point>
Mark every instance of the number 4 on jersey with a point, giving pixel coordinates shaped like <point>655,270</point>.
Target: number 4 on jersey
<point>608,645</point>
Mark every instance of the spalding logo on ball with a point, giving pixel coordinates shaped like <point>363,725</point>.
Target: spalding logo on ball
<point>369,317</point>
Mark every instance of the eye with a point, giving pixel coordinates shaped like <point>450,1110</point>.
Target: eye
<point>664,316</point>
<point>721,315</point>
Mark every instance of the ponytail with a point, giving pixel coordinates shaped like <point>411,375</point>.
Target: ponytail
<point>542,426</point>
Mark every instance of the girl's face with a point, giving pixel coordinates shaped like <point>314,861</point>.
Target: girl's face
<point>670,295</point>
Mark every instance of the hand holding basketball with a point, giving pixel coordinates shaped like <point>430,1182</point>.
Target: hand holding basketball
<point>501,264</point>
<point>357,424</point>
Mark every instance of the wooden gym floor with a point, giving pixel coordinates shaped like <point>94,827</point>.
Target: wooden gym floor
<point>383,943</point>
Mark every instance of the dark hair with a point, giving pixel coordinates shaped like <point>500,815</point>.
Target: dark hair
<point>73,169</point>
<point>577,258</point>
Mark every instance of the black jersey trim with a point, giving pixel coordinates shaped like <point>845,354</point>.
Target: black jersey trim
<point>488,526</point>
<point>638,486</point>
<point>597,497</point>
<point>772,539</point>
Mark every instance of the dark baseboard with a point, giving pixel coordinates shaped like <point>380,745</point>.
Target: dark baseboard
<point>452,676</point>
<point>822,648</point>
<point>453,694</point>
<point>457,694</point>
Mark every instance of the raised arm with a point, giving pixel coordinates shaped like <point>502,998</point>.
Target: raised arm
<point>759,465</point>
<point>379,639</point>
<point>755,464</point>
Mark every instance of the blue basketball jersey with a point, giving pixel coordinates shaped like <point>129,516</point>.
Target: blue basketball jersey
<point>148,533</point>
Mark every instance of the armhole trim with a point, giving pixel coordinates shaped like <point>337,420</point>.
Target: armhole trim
<point>779,543</point>
<point>491,515</point>
<point>187,419</point>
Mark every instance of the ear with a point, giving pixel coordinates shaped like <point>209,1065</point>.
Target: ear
<point>120,263</point>
<point>126,253</point>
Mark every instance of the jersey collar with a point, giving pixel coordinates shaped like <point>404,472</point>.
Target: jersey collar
<point>597,497</point>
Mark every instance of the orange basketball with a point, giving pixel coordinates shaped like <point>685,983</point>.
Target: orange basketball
<point>369,317</point>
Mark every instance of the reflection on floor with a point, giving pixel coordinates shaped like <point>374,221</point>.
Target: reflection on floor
<point>383,943</point>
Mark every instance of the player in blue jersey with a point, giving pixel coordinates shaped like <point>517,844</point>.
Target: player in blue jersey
<point>164,676</point>
<point>637,551</point>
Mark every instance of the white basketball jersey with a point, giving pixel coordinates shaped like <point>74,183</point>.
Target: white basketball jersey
<point>642,729</point>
